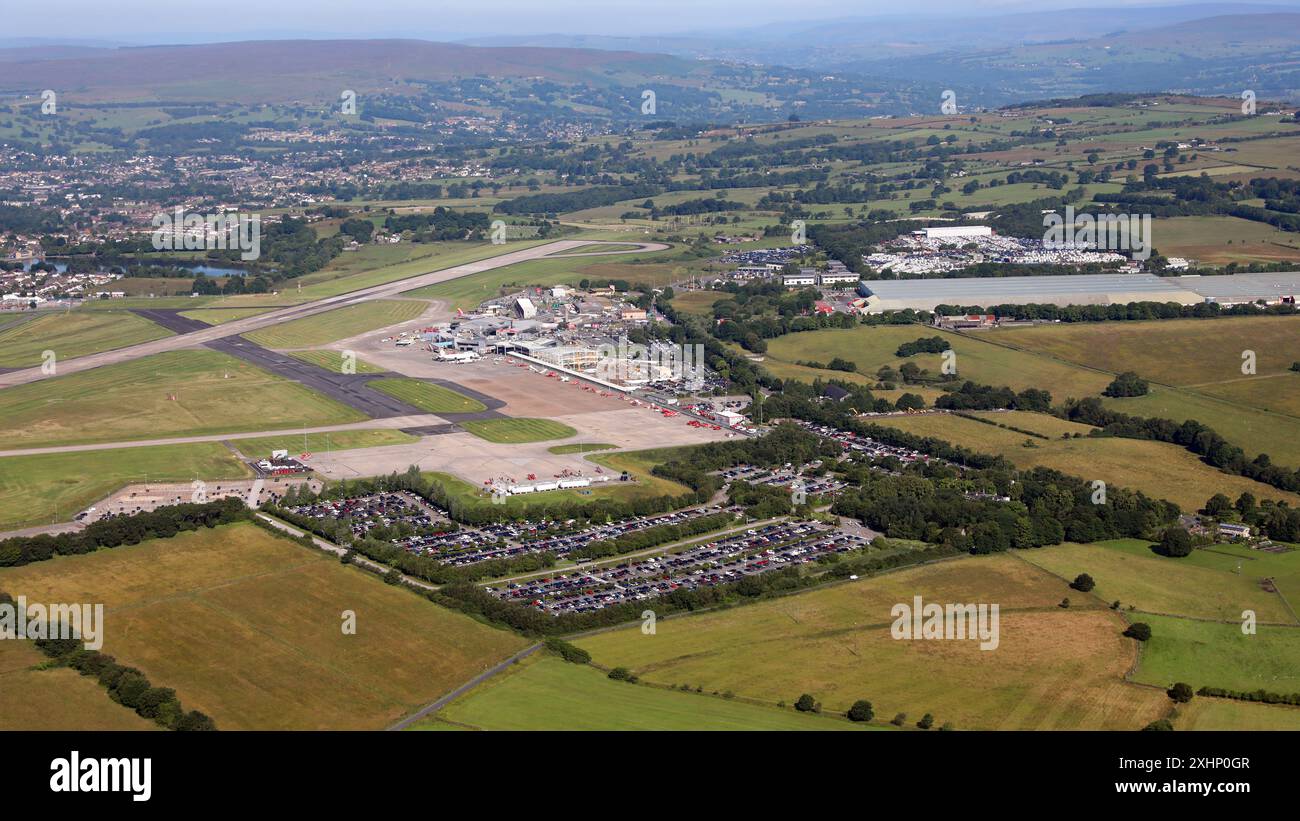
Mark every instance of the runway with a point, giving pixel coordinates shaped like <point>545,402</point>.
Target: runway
<point>212,333</point>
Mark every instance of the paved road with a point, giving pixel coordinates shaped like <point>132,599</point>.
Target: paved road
<point>240,326</point>
<point>414,422</point>
<point>466,687</point>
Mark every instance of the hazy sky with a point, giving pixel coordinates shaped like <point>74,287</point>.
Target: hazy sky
<point>150,21</point>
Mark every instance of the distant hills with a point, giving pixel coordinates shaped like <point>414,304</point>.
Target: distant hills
<point>817,69</point>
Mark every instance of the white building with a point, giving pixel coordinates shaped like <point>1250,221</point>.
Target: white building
<point>958,231</point>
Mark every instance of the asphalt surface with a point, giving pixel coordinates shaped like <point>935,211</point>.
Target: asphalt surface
<point>171,319</point>
<point>210,333</point>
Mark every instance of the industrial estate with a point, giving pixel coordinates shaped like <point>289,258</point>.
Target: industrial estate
<point>489,399</point>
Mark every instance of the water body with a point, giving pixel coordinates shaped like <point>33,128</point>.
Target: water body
<point>206,270</point>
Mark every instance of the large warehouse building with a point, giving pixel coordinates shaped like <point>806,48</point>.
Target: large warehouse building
<point>1084,289</point>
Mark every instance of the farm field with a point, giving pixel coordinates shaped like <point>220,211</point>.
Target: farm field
<point>872,347</point>
<point>1220,240</point>
<point>1220,655</point>
<point>1179,352</point>
<point>1225,714</point>
<point>337,324</point>
<point>73,334</point>
<point>835,644</point>
<point>1203,585</point>
<point>177,393</point>
<point>56,699</point>
<point>245,626</point>
<point>548,693</point>
<point>1252,429</point>
<point>512,431</point>
<point>1158,469</point>
<point>52,487</point>
<point>333,361</point>
<point>428,396</point>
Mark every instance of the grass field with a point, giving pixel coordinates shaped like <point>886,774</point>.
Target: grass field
<point>428,396</point>
<point>1203,585</point>
<point>835,644</point>
<point>511,431</point>
<point>53,487</point>
<point>468,291</point>
<point>1161,470</point>
<point>322,442</point>
<point>580,447</point>
<point>246,627</point>
<point>874,346</point>
<point>1220,655</point>
<point>333,361</point>
<point>214,393</point>
<point>73,334</point>
<point>550,694</point>
<point>1179,352</point>
<point>340,323</point>
<point>1224,714</point>
<point>220,316</point>
<point>55,699</point>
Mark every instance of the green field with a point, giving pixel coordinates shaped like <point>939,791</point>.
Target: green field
<point>246,627</point>
<point>1204,585</point>
<point>874,346</point>
<point>333,361</point>
<point>1159,469</point>
<point>73,334</point>
<point>580,447</point>
<point>322,442</point>
<point>835,644</point>
<point>427,396</point>
<point>468,291</point>
<point>1223,714</point>
<point>53,487</point>
<point>550,694</point>
<point>1220,655</point>
<point>337,324</point>
<point>178,393</point>
<point>220,316</point>
<point>512,431</point>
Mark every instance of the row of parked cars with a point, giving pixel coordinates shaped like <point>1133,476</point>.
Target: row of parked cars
<point>369,512</point>
<point>720,562</point>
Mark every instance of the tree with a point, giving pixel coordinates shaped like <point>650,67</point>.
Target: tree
<point>899,720</point>
<point>1127,384</point>
<point>1139,630</point>
<point>1159,725</point>
<point>861,711</point>
<point>620,674</point>
<point>926,722</point>
<point>1218,506</point>
<point>1181,692</point>
<point>1175,543</point>
<point>805,704</point>
<point>1083,583</point>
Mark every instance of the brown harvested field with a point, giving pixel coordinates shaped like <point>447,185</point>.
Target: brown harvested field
<point>55,699</point>
<point>1224,714</point>
<point>246,626</point>
<point>835,644</point>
